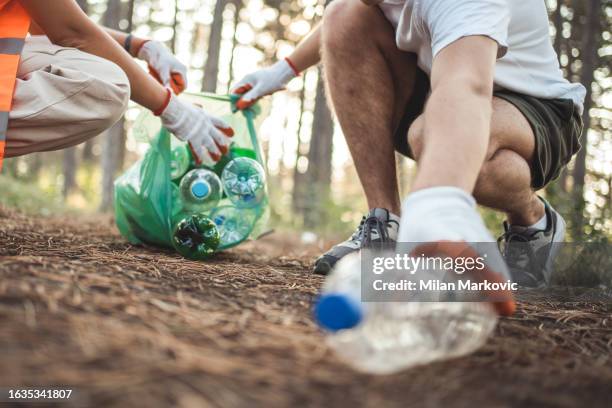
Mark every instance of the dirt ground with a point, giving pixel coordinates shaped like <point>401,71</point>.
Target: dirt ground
<point>133,326</point>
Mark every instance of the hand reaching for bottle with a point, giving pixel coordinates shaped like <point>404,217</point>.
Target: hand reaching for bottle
<point>264,82</point>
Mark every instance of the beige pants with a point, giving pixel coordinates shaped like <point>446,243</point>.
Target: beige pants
<point>63,97</point>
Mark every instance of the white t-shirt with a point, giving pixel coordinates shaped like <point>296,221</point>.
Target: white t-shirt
<point>527,62</point>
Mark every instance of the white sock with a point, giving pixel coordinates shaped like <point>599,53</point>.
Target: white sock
<point>541,224</point>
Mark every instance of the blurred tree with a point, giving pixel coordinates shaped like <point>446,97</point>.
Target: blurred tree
<point>84,4</point>
<point>70,168</point>
<point>298,194</point>
<point>590,50</point>
<point>318,174</point>
<point>70,162</point>
<point>211,68</point>
<point>582,36</point>
<point>113,151</point>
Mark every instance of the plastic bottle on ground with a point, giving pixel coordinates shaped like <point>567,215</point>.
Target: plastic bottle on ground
<point>200,190</point>
<point>244,182</point>
<point>386,337</point>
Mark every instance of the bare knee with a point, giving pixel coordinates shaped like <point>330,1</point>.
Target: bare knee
<point>345,22</point>
<point>416,137</point>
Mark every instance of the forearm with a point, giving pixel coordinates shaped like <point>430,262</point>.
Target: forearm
<point>145,90</point>
<point>66,25</point>
<point>306,54</point>
<point>457,127</point>
<point>458,114</point>
<point>134,44</point>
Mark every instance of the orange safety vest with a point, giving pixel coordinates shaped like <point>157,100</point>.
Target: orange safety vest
<point>14,26</point>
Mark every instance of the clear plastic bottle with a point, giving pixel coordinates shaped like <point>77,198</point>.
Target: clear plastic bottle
<point>179,161</point>
<point>234,224</point>
<point>244,182</point>
<point>386,337</point>
<point>200,190</point>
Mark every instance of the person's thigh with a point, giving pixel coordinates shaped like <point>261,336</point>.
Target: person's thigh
<point>509,130</point>
<point>62,97</point>
<point>349,28</point>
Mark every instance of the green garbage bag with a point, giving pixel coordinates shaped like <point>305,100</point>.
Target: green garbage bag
<point>147,202</point>
<point>143,196</point>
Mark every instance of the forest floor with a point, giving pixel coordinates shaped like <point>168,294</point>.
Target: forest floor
<point>138,326</point>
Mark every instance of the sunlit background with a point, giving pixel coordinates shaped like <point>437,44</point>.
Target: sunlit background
<point>312,181</point>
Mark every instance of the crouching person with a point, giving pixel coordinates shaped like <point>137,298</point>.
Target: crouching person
<point>71,79</point>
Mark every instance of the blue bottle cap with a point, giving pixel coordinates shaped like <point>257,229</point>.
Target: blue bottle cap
<point>335,311</point>
<point>200,189</point>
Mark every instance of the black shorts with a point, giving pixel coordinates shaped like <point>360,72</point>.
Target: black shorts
<point>556,124</point>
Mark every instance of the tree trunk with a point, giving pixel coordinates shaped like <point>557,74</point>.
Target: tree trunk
<point>174,26</point>
<point>113,148</point>
<point>237,7</point>
<point>589,49</point>
<point>70,163</point>
<point>84,5</point>
<point>87,154</point>
<point>110,163</point>
<point>130,16</point>
<point>297,195</point>
<point>211,68</point>
<point>112,15</point>
<point>319,171</point>
<point>34,165</point>
<point>70,168</point>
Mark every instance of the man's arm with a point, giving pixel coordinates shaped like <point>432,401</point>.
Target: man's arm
<point>458,114</point>
<point>164,66</point>
<point>120,37</point>
<point>274,78</point>
<point>65,24</point>
<point>307,53</point>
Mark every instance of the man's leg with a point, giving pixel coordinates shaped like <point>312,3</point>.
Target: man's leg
<point>369,82</point>
<point>504,181</point>
<point>62,97</point>
<point>534,228</point>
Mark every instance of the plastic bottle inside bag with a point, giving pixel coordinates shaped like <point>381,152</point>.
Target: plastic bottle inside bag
<point>234,224</point>
<point>200,190</point>
<point>244,182</point>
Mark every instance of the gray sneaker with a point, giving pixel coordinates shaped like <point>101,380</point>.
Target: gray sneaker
<point>530,252</point>
<point>377,228</point>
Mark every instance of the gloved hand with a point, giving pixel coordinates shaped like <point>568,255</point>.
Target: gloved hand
<point>264,82</point>
<point>164,66</point>
<point>208,136</point>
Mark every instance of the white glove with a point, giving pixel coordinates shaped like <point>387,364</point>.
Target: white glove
<point>164,66</point>
<point>208,136</point>
<point>263,82</point>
